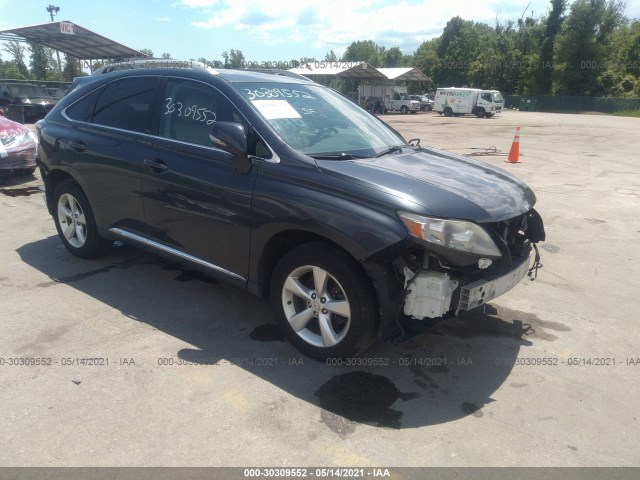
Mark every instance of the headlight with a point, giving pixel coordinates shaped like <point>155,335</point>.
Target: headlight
<point>454,234</point>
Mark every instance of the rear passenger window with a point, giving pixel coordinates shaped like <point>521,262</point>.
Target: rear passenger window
<point>127,103</point>
<point>82,110</point>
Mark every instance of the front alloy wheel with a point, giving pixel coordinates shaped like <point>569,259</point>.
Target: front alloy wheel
<point>324,301</point>
<point>316,306</point>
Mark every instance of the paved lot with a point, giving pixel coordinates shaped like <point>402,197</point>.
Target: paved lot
<point>242,396</point>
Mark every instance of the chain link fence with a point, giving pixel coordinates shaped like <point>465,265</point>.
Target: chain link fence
<point>567,104</point>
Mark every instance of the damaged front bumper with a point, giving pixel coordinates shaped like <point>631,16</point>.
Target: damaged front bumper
<point>430,294</point>
<point>419,284</point>
<point>481,291</point>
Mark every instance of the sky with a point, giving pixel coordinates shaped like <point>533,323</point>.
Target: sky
<point>269,30</point>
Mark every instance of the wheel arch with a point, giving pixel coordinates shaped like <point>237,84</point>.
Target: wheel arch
<point>281,243</point>
<point>52,179</point>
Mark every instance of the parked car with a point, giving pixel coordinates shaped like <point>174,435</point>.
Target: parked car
<point>35,102</point>
<point>56,92</point>
<point>287,189</point>
<point>426,104</point>
<point>18,148</point>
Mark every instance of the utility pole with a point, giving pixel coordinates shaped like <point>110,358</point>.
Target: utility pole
<point>53,11</point>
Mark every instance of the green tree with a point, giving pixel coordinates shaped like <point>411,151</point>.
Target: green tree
<point>582,48</point>
<point>393,58</point>
<point>233,59</point>
<point>71,68</point>
<point>39,61</point>
<point>425,57</point>
<point>17,51</point>
<point>458,48</point>
<point>147,51</point>
<point>331,57</point>
<point>363,51</point>
<point>622,75</point>
<point>553,26</point>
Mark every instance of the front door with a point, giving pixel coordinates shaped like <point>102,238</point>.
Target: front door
<point>194,202</point>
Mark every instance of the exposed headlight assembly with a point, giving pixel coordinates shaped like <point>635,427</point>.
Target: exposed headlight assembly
<point>454,234</point>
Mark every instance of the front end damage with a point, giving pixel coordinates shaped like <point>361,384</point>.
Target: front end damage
<point>422,281</point>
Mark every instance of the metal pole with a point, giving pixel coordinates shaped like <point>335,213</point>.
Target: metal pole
<point>53,11</point>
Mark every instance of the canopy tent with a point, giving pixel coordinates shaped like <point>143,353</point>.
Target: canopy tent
<point>73,40</point>
<point>351,70</point>
<point>358,71</point>
<point>404,74</point>
<point>355,73</point>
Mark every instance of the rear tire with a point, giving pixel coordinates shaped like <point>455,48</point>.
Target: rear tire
<point>448,112</point>
<point>324,302</point>
<point>75,222</point>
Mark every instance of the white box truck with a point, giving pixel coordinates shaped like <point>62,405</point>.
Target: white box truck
<point>391,98</point>
<point>473,101</point>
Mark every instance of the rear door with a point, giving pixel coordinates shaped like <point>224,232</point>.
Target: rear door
<point>105,147</point>
<point>194,202</point>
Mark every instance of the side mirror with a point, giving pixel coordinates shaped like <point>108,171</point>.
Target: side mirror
<point>231,137</point>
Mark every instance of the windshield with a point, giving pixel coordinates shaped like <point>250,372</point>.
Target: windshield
<point>318,121</point>
<point>26,91</point>
<point>497,97</point>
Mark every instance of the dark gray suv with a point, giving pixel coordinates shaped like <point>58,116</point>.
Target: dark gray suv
<point>286,189</point>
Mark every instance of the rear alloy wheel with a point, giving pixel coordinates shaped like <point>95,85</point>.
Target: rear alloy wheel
<point>75,222</point>
<point>323,302</point>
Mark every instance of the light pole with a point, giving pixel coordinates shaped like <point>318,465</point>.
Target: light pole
<point>53,11</point>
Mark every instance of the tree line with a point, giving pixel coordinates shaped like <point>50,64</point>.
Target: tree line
<point>587,48</point>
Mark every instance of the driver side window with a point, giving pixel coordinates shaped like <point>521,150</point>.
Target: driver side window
<point>189,109</point>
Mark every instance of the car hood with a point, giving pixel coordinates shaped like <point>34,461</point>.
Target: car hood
<point>444,184</point>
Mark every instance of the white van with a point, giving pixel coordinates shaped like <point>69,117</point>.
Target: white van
<point>473,101</point>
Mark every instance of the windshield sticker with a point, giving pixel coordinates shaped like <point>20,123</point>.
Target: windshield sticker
<point>275,109</point>
<point>275,93</point>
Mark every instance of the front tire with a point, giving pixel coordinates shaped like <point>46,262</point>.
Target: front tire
<point>75,222</point>
<point>480,113</point>
<point>324,302</point>
<point>404,110</point>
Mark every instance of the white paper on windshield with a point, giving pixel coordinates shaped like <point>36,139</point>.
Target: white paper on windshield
<point>275,109</point>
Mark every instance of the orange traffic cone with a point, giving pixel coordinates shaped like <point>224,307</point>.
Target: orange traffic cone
<point>514,153</point>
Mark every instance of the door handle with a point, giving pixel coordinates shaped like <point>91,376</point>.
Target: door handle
<point>77,145</point>
<point>156,165</point>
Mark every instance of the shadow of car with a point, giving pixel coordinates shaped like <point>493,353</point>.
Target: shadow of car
<point>440,376</point>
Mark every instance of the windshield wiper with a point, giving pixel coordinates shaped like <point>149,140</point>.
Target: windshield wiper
<point>395,148</point>
<point>332,156</point>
